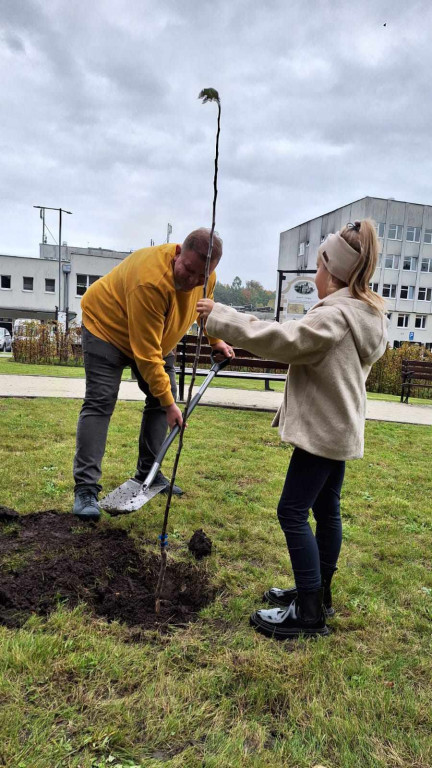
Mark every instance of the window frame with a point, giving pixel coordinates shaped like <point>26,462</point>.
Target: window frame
<point>52,280</point>
<point>90,279</point>
<point>411,260</point>
<point>399,230</point>
<point>409,288</point>
<point>414,231</point>
<point>426,260</point>
<point>392,288</point>
<point>28,290</point>
<point>3,287</point>
<point>380,227</point>
<point>405,323</point>
<point>422,324</point>
<point>393,257</point>
<point>427,233</point>
<point>426,290</point>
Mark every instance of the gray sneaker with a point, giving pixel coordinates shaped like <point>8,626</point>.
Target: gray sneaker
<point>86,504</point>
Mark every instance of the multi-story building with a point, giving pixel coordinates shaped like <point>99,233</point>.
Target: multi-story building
<point>37,287</point>
<point>403,275</point>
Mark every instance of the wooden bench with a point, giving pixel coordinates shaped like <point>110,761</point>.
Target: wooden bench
<point>244,366</point>
<point>416,374</point>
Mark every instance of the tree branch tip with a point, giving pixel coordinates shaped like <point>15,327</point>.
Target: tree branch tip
<point>209,94</point>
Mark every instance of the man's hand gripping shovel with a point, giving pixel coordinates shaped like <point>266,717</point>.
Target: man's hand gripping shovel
<point>132,495</point>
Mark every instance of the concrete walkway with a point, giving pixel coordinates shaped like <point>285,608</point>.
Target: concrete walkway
<point>53,386</point>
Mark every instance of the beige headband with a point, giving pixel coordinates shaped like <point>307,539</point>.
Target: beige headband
<point>339,258</point>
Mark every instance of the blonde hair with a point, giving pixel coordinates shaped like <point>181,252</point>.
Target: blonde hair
<point>363,238</point>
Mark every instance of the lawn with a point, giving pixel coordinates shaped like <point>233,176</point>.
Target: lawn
<point>76,691</point>
<point>8,366</point>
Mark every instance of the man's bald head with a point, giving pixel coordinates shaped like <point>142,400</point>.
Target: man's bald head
<point>198,241</point>
<point>190,259</point>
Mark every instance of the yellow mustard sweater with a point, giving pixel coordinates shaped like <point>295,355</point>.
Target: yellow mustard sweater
<point>136,308</point>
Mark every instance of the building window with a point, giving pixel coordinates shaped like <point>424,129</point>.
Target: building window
<point>413,234</point>
<point>424,294</point>
<point>407,292</point>
<point>389,290</point>
<point>427,237</point>
<point>27,283</point>
<point>49,285</point>
<point>374,287</point>
<point>402,321</point>
<point>410,263</point>
<point>426,265</point>
<point>395,232</point>
<point>84,281</point>
<point>380,229</point>
<point>5,282</point>
<point>420,321</point>
<point>391,262</point>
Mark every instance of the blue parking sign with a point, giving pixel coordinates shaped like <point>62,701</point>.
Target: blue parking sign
<point>411,335</point>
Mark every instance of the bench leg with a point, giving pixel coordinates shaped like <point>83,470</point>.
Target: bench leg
<point>267,387</point>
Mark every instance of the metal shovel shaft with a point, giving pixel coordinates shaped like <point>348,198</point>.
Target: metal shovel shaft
<point>132,495</point>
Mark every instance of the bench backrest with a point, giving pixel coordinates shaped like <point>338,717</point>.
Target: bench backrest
<point>243,359</point>
<point>417,369</point>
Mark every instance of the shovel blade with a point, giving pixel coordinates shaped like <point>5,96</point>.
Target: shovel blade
<point>129,497</point>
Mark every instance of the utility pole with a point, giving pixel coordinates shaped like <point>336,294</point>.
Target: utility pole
<point>60,211</point>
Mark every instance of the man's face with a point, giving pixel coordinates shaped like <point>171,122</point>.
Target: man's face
<point>189,270</point>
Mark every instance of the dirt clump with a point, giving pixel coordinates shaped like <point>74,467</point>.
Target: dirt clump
<point>7,515</point>
<point>49,557</point>
<point>200,545</point>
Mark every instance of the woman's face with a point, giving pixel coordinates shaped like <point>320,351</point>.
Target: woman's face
<point>322,281</point>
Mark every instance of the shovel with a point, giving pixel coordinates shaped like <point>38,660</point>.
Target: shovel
<point>133,494</point>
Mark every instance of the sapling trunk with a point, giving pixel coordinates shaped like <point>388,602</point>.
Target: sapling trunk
<point>208,94</point>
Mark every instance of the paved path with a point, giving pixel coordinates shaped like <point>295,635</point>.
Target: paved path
<point>53,386</point>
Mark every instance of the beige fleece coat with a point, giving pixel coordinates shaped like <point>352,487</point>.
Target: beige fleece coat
<point>330,351</point>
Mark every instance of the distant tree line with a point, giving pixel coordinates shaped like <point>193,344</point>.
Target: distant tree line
<point>237,294</point>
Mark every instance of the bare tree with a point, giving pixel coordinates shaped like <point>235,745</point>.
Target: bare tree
<point>208,94</point>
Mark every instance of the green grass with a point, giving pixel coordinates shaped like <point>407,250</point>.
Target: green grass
<point>8,366</point>
<point>76,691</point>
<point>396,398</point>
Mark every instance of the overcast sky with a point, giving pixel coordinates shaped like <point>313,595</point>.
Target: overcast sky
<point>321,105</point>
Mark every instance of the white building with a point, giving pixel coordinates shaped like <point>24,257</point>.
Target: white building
<point>34,287</point>
<point>403,275</point>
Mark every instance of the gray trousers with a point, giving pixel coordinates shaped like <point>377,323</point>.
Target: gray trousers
<point>104,366</point>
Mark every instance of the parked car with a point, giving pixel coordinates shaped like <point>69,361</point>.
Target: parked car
<point>5,340</point>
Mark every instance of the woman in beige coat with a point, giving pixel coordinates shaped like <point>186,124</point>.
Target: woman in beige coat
<point>330,352</point>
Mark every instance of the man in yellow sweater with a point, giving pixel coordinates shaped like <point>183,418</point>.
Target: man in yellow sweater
<point>135,316</point>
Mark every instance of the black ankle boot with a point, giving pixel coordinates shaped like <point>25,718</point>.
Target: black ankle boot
<point>284,597</point>
<point>304,616</point>
<point>326,578</point>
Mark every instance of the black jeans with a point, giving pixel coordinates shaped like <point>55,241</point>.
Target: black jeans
<point>104,366</point>
<point>312,482</point>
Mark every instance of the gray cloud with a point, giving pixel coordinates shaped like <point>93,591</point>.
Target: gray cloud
<point>321,105</point>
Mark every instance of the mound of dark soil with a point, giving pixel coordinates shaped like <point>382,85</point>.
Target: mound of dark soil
<point>200,545</point>
<point>49,557</point>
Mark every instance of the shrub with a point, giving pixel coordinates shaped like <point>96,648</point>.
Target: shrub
<point>36,342</point>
